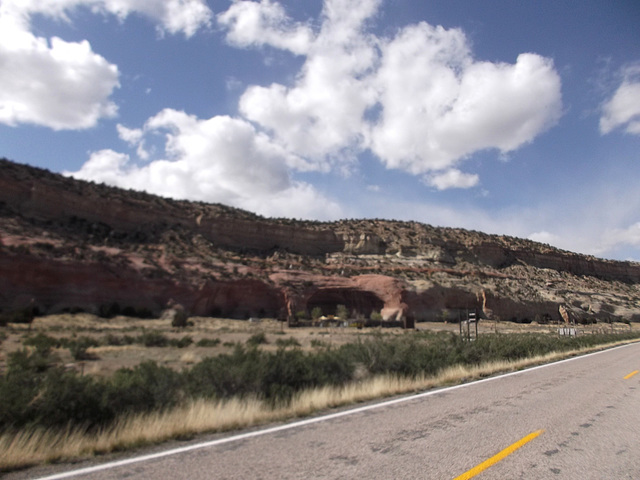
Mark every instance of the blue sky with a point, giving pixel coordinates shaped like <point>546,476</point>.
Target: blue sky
<point>509,117</point>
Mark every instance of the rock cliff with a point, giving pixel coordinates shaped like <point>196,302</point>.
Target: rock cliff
<point>68,244</point>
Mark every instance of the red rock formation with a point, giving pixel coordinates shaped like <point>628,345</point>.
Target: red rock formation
<point>55,286</point>
<point>71,244</point>
<point>39,194</point>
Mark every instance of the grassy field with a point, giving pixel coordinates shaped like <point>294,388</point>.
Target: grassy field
<point>67,379</point>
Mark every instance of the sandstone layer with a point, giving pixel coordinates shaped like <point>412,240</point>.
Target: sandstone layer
<point>67,244</point>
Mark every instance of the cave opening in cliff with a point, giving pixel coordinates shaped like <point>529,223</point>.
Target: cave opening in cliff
<point>358,302</point>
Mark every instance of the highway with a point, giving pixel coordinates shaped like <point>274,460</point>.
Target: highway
<point>575,419</point>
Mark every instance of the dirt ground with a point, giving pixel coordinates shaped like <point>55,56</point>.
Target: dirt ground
<point>108,358</point>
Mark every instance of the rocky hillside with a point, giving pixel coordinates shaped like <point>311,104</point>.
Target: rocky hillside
<point>72,245</point>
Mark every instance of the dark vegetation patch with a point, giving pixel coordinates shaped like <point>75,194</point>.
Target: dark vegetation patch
<point>37,391</point>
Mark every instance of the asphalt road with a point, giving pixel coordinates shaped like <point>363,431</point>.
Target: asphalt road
<point>589,414</point>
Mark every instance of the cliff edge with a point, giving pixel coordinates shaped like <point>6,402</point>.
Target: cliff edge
<point>67,244</point>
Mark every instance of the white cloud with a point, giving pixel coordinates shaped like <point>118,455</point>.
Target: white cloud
<point>622,110</point>
<point>220,159</point>
<point>440,105</point>
<point>134,136</point>
<point>172,16</point>
<point>130,135</point>
<point>65,85</point>
<point>418,100</point>
<point>264,23</point>
<point>321,116</point>
<point>58,84</point>
<point>545,237</point>
<point>452,178</point>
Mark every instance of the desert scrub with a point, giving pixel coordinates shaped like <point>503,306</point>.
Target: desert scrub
<point>42,342</point>
<point>151,390</point>
<point>78,347</point>
<point>318,343</point>
<point>257,339</point>
<point>153,339</point>
<point>287,342</point>
<point>36,390</point>
<point>118,340</point>
<point>181,342</point>
<point>208,342</point>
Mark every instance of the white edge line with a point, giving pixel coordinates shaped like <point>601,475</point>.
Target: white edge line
<point>308,421</point>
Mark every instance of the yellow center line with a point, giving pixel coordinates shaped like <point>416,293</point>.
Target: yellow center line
<point>496,458</point>
<point>627,377</point>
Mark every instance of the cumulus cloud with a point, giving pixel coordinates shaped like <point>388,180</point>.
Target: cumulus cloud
<point>439,105</point>
<point>130,135</point>
<point>622,110</point>
<point>221,159</point>
<point>58,84</point>
<point>321,117</point>
<point>172,16</point>
<point>418,100</point>
<point>65,85</point>
<point>264,23</point>
<point>452,178</point>
<point>134,137</point>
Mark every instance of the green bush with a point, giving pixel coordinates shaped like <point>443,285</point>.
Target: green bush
<point>257,339</point>
<point>78,348</point>
<point>287,342</point>
<point>342,312</point>
<point>153,339</point>
<point>316,313</point>
<point>208,342</point>
<point>42,343</point>
<point>65,397</point>
<point>180,319</point>
<point>118,341</point>
<point>182,342</point>
<point>144,388</point>
<point>227,375</point>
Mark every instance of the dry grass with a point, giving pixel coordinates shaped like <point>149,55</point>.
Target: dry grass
<point>38,446</point>
<point>190,357</point>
